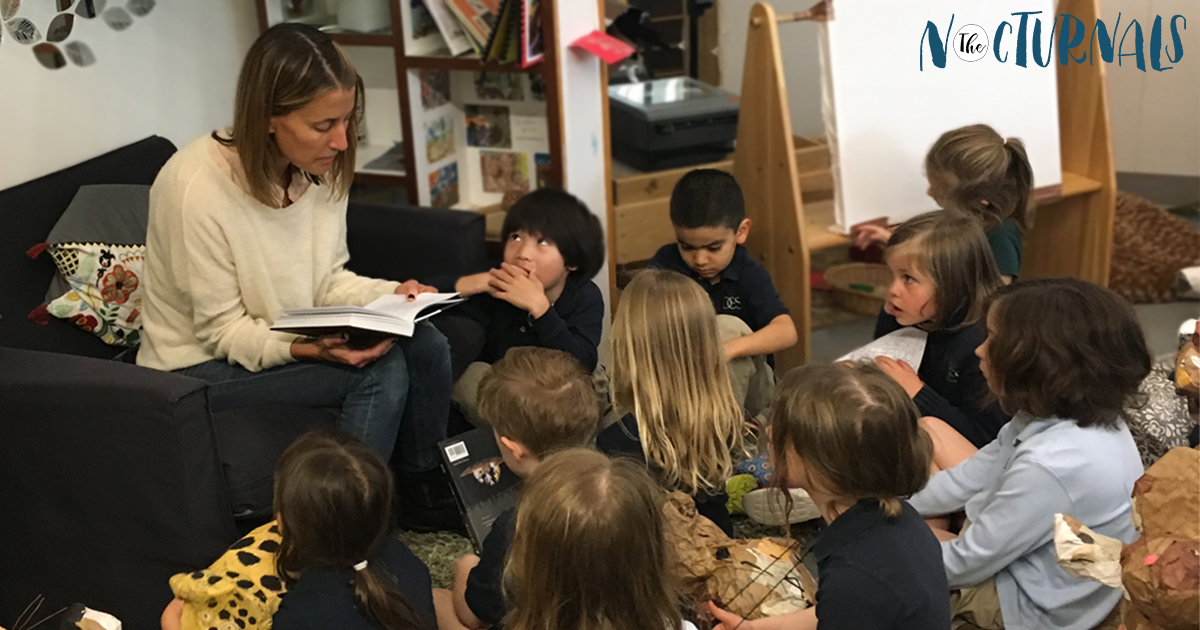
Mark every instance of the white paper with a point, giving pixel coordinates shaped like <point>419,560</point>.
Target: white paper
<point>906,344</point>
<point>887,112</point>
<point>530,129</point>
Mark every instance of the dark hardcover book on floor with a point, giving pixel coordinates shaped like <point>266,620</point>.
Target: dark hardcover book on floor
<point>483,484</point>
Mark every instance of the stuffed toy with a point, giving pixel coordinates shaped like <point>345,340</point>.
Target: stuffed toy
<point>240,591</point>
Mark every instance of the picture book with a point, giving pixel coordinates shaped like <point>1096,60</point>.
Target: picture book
<point>483,485</point>
<point>452,32</point>
<point>389,316</point>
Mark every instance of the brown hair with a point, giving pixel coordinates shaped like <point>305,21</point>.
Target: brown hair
<point>974,164</point>
<point>856,431</point>
<point>288,67</point>
<point>1065,348</point>
<point>542,398</point>
<point>669,371</point>
<point>952,250</point>
<point>333,495</point>
<point>589,551</point>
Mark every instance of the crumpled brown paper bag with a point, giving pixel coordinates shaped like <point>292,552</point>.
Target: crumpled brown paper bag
<point>1166,498</point>
<point>1160,572</point>
<point>752,578</point>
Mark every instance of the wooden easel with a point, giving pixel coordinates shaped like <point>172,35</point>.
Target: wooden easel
<point>1073,228</point>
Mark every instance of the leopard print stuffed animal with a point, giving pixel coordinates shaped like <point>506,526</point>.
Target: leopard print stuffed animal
<point>240,591</point>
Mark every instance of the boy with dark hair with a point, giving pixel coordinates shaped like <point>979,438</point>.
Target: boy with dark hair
<point>542,295</point>
<point>709,216</point>
<point>537,401</point>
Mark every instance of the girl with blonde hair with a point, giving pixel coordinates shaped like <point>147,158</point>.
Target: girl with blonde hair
<point>589,551</point>
<point>671,378</point>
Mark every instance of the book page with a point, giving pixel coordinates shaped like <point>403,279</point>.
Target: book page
<point>399,307</point>
<point>906,344</point>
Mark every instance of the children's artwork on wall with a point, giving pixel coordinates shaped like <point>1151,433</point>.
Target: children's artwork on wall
<point>488,127</point>
<point>435,88</point>
<point>499,86</point>
<point>439,139</point>
<point>541,162</point>
<point>443,186</point>
<point>422,21</point>
<point>504,171</point>
<point>537,87</point>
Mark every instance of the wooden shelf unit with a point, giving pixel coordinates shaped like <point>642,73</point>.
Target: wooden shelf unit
<point>1073,223</point>
<point>404,63</point>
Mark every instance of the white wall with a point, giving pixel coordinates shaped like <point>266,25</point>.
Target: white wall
<point>798,48</point>
<point>1156,115</point>
<point>172,73</point>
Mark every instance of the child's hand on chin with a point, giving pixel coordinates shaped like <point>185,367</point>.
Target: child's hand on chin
<point>520,288</point>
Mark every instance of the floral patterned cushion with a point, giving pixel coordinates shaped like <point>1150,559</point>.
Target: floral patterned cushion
<point>105,295</point>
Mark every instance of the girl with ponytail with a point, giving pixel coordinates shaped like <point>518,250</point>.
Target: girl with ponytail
<point>975,170</point>
<point>342,567</point>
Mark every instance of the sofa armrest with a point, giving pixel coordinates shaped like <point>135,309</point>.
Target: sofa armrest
<point>110,483</point>
<point>403,242</point>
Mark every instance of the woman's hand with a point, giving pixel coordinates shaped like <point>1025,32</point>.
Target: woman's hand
<point>867,235</point>
<point>902,373</point>
<point>333,348</point>
<point>520,288</point>
<point>412,289</point>
<point>474,284</point>
<point>727,620</point>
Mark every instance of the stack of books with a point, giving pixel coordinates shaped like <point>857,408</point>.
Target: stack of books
<point>506,31</point>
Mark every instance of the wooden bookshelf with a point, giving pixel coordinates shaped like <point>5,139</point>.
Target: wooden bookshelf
<point>270,13</point>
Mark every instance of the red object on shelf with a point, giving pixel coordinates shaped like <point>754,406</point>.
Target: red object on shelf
<point>816,281</point>
<point>606,47</point>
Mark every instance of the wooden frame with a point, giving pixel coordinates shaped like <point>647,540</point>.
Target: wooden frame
<point>548,69</point>
<point>1072,233</point>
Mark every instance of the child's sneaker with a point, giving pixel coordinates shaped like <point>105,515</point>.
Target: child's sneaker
<point>769,506</point>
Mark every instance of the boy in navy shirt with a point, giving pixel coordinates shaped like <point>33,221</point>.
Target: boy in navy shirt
<point>542,295</point>
<point>537,401</point>
<point>709,216</point>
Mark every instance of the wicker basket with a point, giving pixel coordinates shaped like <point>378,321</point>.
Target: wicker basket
<point>847,279</point>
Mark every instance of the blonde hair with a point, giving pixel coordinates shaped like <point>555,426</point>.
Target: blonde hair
<point>288,67</point>
<point>589,551</point>
<point>669,371</point>
<point>542,398</point>
<point>952,250</point>
<point>983,166</point>
<point>856,431</point>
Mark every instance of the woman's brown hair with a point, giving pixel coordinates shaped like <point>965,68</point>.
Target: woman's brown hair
<point>333,495</point>
<point>1065,348</point>
<point>670,372</point>
<point>288,67</point>
<point>856,431</point>
<point>951,249</point>
<point>972,165</point>
<point>589,551</point>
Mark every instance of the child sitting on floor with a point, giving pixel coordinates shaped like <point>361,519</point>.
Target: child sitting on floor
<point>849,435</point>
<point>974,170</point>
<point>942,271</point>
<point>589,551</point>
<point>1065,357</point>
<point>537,401</point>
<point>671,380</point>
<point>709,216</point>
<point>542,295</point>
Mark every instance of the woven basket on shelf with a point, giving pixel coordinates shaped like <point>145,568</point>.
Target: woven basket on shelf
<point>850,282</point>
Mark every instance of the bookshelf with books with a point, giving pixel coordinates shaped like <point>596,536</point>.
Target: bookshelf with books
<point>451,130</point>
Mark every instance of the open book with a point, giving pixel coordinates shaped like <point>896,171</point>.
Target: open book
<point>906,344</point>
<point>389,316</point>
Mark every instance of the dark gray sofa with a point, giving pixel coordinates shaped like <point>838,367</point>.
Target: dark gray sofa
<point>114,477</point>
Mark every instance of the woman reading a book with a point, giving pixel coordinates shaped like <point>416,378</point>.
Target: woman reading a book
<point>251,221</point>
